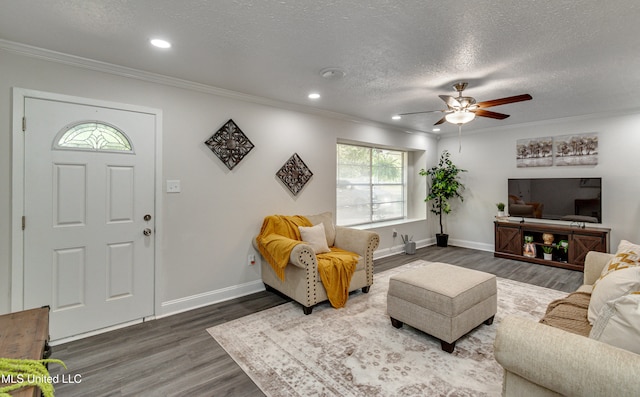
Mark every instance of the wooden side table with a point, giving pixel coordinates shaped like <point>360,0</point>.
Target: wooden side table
<point>25,334</point>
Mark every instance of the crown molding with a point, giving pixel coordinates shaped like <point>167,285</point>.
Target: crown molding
<point>156,78</point>
<point>581,117</point>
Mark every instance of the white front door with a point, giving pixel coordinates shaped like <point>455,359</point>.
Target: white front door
<point>89,214</point>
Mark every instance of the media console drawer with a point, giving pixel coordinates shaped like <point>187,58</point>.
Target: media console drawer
<point>510,236</point>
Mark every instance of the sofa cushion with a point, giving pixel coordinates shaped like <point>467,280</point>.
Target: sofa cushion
<point>611,287</point>
<point>315,237</point>
<point>326,218</point>
<point>628,255</point>
<point>619,323</point>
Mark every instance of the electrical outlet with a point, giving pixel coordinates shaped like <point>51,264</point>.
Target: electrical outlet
<point>395,233</point>
<point>173,186</point>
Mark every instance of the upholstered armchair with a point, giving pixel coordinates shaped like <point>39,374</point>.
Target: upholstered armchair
<point>301,278</point>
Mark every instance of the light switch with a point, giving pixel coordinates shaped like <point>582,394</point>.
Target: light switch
<point>173,186</point>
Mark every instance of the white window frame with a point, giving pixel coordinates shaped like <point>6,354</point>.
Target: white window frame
<point>371,184</point>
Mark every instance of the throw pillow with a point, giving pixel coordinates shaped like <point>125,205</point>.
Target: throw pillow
<point>619,323</point>
<point>315,237</point>
<point>612,287</point>
<point>628,255</point>
<point>326,218</point>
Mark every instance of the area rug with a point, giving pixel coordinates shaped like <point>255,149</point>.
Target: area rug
<point>354,351</point>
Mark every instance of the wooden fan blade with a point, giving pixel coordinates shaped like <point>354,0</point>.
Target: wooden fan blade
<point>442,120</point>
<point>426,111</point>
<point>504,101</point>
<point>490,114</point>
<point>450,101</point>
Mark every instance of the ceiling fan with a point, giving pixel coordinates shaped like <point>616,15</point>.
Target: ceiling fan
<point>462,109</point>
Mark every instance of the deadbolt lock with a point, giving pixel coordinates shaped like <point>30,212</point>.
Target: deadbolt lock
<point>147,217</point>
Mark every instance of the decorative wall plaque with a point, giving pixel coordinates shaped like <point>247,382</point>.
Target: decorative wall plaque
<point>230,144</point>
<point>294,174</point>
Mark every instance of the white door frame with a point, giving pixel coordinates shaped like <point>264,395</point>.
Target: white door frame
<point>17,186</point>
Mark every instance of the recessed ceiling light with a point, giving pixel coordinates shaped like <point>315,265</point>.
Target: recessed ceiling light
<point>314,95</point>
<point>395,117</point>
<point>160,43</point>
<point>436,130</point>
<point>332,73</point>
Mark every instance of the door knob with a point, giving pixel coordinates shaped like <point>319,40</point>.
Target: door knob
<point>147,232</point>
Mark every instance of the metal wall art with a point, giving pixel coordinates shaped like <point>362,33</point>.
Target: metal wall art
<point>230,144</point>
<point>294,174</point>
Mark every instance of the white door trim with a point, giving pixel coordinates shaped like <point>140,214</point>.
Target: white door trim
<point>19,96</point>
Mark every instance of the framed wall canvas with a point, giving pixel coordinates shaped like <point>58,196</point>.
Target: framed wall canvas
<point>577,149</point>
<point>534,152</point>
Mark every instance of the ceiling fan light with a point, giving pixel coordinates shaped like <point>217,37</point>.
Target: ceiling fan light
<point>460,117</point>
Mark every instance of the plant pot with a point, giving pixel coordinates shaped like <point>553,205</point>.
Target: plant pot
<point>529,250</point>
<point>547,257</point>
<point>442,239</point>
<point>500,214</point>
<point>410,248</point>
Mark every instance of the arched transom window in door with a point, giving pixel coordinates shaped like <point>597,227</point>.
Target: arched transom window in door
<point>93,136</point>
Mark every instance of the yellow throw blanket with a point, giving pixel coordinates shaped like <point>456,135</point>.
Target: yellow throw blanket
<point>336,269</point>
<point>280,234</point>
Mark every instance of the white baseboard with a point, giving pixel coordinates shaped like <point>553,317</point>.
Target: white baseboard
<point>399,249</point>
<point>187,303</point>
<point>61,341</point>
<point>472,244</point>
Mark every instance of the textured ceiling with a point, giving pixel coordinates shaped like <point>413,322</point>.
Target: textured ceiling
<point>573,57</point>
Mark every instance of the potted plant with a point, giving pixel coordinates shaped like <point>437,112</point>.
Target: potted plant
<point>500,209</point>
<point>529,249</point>
<point>547,251</point>
<point>562,253</point>
<point>444,185</point>
<point>409,244</point>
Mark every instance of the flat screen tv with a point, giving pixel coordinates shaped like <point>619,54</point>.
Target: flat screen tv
<point>567,199</point>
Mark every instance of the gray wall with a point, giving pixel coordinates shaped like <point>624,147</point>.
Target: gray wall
<point>490,156</point>
<point>209,225</point>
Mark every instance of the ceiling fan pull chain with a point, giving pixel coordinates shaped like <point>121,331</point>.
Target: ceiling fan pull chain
<point>459,138</point>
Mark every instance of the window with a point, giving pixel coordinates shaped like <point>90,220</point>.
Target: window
<point>93,136</point>
<point>371,185</point>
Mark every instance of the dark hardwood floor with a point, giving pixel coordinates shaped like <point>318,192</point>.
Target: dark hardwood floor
<point>175,356</point>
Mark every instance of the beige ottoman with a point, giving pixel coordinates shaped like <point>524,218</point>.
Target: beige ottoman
<point>442,300</point>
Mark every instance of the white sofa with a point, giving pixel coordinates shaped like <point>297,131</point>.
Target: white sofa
<point>540,360</point>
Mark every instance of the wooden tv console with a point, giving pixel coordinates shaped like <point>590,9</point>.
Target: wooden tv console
<point>509,242</point>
